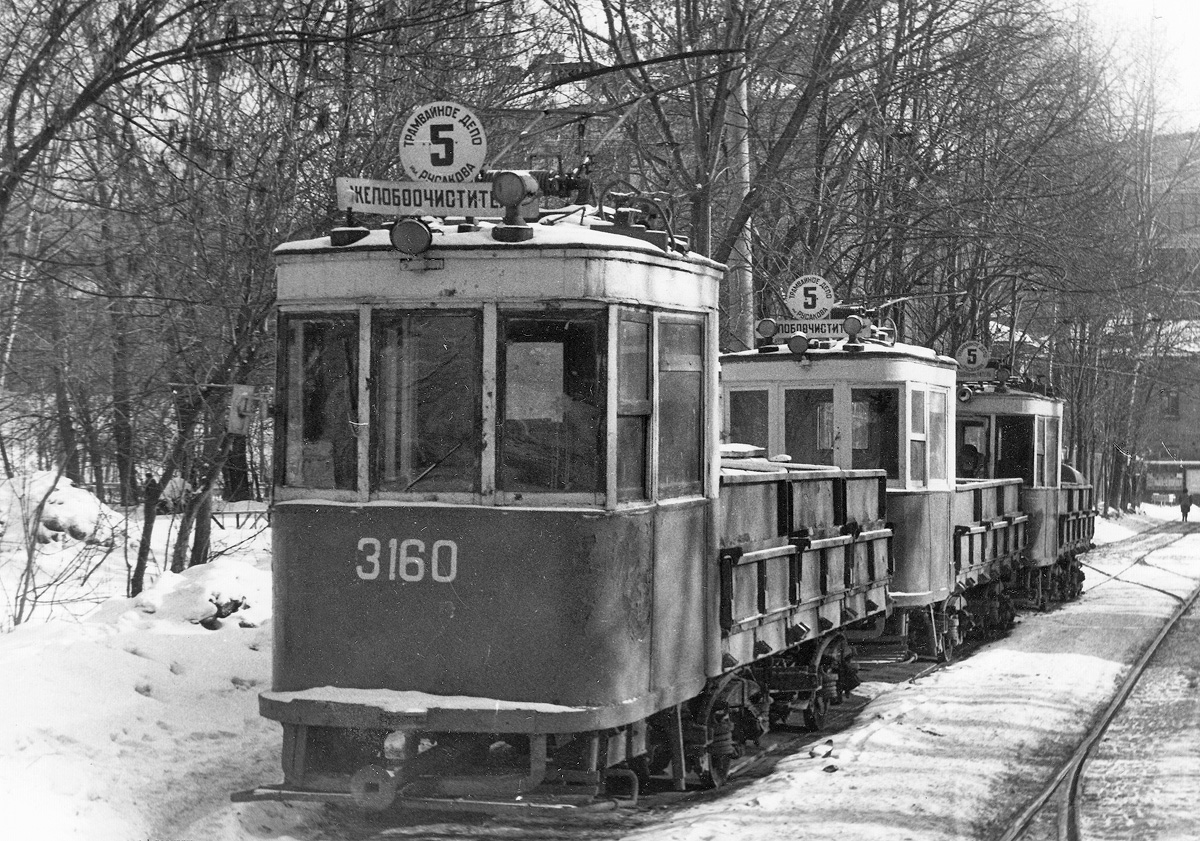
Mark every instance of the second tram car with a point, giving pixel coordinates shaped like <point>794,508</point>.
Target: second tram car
<point>870,402</point>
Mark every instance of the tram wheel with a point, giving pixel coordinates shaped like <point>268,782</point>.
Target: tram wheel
<point>718,771</point>
<point>946,654</point>
<point>815,712</point>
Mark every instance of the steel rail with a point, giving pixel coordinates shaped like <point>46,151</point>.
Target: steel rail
<point>1071,772</point>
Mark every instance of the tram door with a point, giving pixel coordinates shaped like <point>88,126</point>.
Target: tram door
<point>1014,448</point>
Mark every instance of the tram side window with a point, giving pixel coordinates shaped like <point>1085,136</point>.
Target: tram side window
<point>748,418</point>
<point>937,435</point>
<point>321,384</point>
<point>552,402</point>
<point>917,443</point>
<point>633,409</point>
<point>681,407</point>
<point>875,436</point>
<point>1046,453</point>
<point>426,401</point>
<point>808,425</point>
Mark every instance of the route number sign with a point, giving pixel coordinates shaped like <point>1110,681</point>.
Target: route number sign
<point>443,142</point>
<point>810,297</point>
<point>973,356</point>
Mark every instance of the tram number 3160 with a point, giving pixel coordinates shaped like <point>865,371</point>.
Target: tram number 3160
<point>407,560</point>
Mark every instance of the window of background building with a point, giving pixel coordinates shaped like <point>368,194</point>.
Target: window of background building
<point>1170,403</point>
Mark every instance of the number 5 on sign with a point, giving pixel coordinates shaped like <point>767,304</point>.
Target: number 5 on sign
<point>973,356</point>
<point>809,296</point>
<point>443,142</point>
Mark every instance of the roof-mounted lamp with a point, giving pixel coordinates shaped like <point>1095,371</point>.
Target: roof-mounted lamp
<point>511,189</point>
<point>766,328</point>
<point>798,344</point>
<point>411,236</point>
<point>853,326</point>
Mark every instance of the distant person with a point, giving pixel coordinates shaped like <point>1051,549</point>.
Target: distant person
<point>150,490</point>
<point>969,461</point>
<point>174,495</point>
<point>150,495</point>
<point>1185,503</point>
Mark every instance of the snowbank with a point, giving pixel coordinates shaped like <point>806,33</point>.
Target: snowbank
<point>68,510</point>
<point>126,725</point>
<point>210,596</point>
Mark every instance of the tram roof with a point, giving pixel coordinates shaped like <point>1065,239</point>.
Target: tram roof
<point>840,350</point>
<point>565,258</point>
<point>567,228</point>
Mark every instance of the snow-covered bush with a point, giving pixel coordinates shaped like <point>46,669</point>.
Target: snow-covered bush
<point>227,590</point>
<point>68,510</point>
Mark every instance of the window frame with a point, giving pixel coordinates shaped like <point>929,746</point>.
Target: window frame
<point>620,407</point>
<point>379,316</point>
<point>605,381</point>
<point>286,401</point>
<point>699,487</point>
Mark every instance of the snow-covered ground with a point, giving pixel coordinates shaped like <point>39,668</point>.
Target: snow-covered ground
<point>137,721</point>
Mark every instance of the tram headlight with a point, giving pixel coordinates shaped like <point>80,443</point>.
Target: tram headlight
<point>853,325</point>
<point>766,328</point>
<point>798,344</point>
<point>411,237</point>
<point>510,189</point>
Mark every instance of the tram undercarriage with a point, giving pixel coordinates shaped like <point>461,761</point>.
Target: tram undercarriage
<point>696,742</point>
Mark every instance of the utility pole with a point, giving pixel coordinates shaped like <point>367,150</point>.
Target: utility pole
<point>740,299</point>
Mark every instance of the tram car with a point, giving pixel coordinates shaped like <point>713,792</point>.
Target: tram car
<point>511,561</point>
<point>1009,427</point>
<point>869,402</point>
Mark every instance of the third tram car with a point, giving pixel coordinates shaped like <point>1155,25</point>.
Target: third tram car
<point>1012,428</point>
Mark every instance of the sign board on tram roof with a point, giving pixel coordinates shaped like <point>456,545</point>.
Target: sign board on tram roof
<point>814,328</point>
<point>416,198</point>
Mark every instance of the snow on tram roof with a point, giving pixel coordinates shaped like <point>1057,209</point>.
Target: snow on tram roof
<point>837,349</point>
<point>568,227</point>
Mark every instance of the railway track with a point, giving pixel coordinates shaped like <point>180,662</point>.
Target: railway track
<point>1063,791</point>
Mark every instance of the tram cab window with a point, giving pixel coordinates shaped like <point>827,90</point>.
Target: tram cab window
<point>321,385</point>
<point>681,407</point>
<point>875,425</point>
<point>552,403</point>
<point>426,400</point>
<point>748,417</point>
<point>634,406</point>
<point>808,425</point>
<point>973,449</point>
